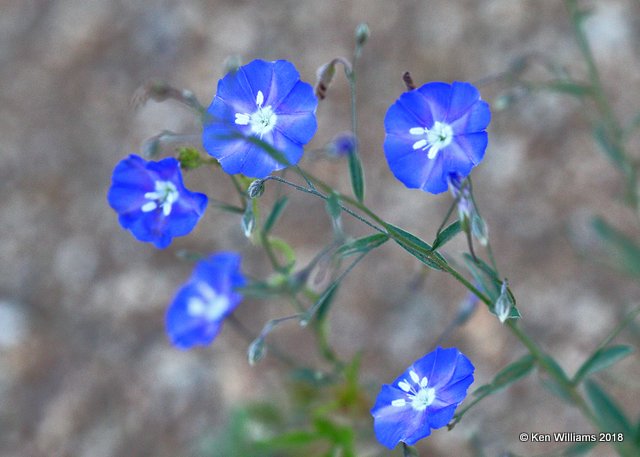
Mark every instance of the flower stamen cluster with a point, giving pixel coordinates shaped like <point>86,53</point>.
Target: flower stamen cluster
<point>164,196</point>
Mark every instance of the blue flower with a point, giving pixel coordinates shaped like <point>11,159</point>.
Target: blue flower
<point>195,316</point>
<point>434,131</point>
<point>342,145</point>
<point>151,200</point>
<point>425,396</point>
<point>266,100</point>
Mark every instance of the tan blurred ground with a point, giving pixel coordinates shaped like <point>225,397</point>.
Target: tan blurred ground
<point>85,367</point>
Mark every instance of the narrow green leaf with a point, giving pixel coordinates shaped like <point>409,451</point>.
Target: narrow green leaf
<point>276,212</point>
<point>447,234</point>
<point>601,359</point>
<point>611,150</point>
<point>568,87</point>
<point>608,413</point>
<point>288,440</point>
<point>513,372</point>
<point>364,244</point>
<point>560,388</point>
<point>285,249</point>
<point>508,375</point>
<point>415,246</point>
<point>625,251</point>
<point>325,302</point>
<point>357,176</point>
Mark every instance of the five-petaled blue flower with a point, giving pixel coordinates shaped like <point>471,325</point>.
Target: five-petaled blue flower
<point>425,396</point>
<point>266,100</point>
<point>195,316</point>
<point>434,131</point>
<point>151,200</point>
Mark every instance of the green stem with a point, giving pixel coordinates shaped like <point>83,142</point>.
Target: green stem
<point>543,362</point>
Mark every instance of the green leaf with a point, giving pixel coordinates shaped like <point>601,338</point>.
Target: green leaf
<point>560,388</point>
<point>276,211</point>
<point>608,413</point>
<point>288,440</point>
<point>357,176</point>
<point>324,304</point>
<point>625,251</point>
<point>508,375</point>
<point>285,249</point>
<point>415,246</point>
<point>568,87</point>
<point>447,234</point>
<point>361,245</point>
<point>601,359</point>
<point>610,148</point>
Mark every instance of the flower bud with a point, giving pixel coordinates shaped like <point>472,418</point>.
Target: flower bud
<point>256,188</point>
<point>479,228</point>
<point>257,350</point>
<point>248,221</point>
<point>342,145</point>
<point>324,75</point>
<point>362,34</point>
<point>503,304</point>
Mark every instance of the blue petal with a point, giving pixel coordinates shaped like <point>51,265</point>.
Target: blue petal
<point>463,97</point>
<point>476,119</point>
<point>221,271</point>
<point>393,424</point>
<point>407,112</point>
<point>407,165</point>
<point>438,418</point>
<point>184,330</point>
<point>285,79</point>
<point>132,178</point>
<point>468,148</point>
<point>293,102</point>
<point>436,97</point>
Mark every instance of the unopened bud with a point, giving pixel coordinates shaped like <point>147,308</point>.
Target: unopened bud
<point>256,188</point>
<point>248,221</point>
<point>324,75</point>
<point>408,81</point>
<point>342,145</point>
<point>362,34</point>
<point>257,350</point>
<point>479,229</point>
<point>189,158</point>
<point>503,304</point>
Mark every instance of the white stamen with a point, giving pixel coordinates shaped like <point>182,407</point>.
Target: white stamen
<point>164,196</point>
<point>419,144</point>
<point>419,398</point>
<point>242,119</point>
<point>149,206</point>
<point>209,304</point>
<point>438,137</point>
<point>262,120</point>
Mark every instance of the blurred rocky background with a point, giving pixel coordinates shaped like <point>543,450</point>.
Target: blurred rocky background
<point>85,367</point>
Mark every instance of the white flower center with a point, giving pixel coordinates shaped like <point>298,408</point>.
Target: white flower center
<point>263,119</point>
<point>208,304</point>
<point>436,138</point>
<point>164,197</point>
<point>419,396</point>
